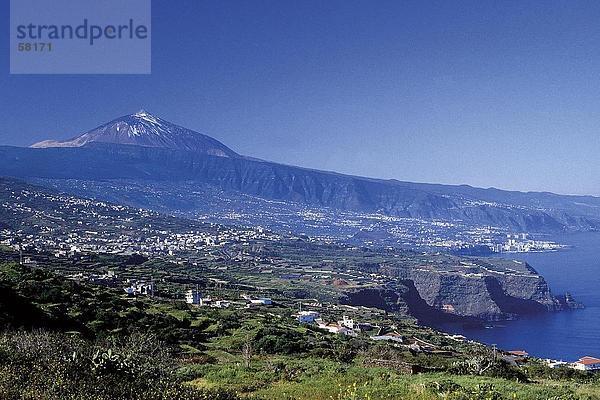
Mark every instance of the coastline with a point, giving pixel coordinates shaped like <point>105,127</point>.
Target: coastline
<point>568,334</point>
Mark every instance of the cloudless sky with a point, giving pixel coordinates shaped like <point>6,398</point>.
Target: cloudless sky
<point>487,93</point>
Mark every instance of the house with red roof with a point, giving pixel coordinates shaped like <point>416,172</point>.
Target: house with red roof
<point>587,363</point>
<point>518,353</point>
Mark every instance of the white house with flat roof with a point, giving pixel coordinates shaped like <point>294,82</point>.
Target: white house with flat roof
<point>307,317</point>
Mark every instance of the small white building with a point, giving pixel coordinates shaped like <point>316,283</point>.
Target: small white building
<point>336,328</point>
<point>587,363</point>
<point>556,363</point>
<point>30,262</point>
<point>307,317</point>
<point>263,301</point>
<point>193,297</point>
<point>222,304</point>
<point>389,337</point>
<point>139,288</point>
<point>518,354</point>
<point>347,322</point>
<point>458,338</point>
<point>331,328</point>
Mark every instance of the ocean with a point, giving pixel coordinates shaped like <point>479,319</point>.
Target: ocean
<point>566,335</point>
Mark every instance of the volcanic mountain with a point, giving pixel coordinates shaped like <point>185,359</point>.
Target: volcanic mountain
<point>144,129</point>
<point>174,164</point>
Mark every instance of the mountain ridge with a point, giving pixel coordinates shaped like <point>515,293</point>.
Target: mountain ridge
<point>123,149</point>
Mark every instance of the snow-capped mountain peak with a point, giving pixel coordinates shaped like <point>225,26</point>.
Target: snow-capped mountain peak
<point>146,116</point>
<point>145,129</point>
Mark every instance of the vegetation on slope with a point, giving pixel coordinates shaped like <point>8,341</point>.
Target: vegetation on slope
<point>67,340</point>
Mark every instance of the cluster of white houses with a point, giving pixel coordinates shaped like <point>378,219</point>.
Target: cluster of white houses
<point>193,296</point>
<point>586,363</point>
<point>347,326</point>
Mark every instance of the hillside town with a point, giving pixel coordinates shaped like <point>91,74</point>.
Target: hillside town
<point>69,228</point>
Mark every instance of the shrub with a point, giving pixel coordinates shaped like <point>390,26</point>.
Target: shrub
<point>43,365</point>
<point>274,340</point>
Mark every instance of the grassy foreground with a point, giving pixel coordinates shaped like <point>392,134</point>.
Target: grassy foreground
<point>64,340</point>
<point>284,378</point>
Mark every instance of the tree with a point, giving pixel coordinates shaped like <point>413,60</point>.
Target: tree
<point>247,351</point>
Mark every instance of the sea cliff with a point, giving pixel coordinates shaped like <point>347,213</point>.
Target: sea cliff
<point>459,288</point>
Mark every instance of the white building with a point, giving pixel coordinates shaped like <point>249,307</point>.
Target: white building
<point>193,297</point>
<point>139,288</point>
<point>347,322</point>
<point>556,363</point>
<point>222,304</point>
<point>587,363</point>
<point>389,337</point>
<point>336,328</point>
<point>263,301</point>
<point>307,317</point>
<point>206,301</point>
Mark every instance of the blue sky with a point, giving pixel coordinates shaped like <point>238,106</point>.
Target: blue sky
<point>487,93</point>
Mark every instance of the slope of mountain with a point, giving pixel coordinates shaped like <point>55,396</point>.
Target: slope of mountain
<point>432,285</point>
<point>144,129</point>
<point>146,148</point>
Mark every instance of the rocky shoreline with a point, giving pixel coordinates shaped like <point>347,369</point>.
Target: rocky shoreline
<point>473,290</point>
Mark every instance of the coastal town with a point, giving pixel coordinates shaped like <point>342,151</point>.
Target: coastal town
<point>521,243</point>
<point>98,230</point>
<point>316,313</point>
<point>69,230</point>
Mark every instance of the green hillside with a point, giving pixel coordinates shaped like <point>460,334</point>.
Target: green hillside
<point>69,340</point>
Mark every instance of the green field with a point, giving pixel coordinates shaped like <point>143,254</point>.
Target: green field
<point>69,340</point>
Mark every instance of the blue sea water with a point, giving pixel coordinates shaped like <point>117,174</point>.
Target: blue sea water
<point>565,335</point>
